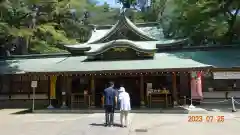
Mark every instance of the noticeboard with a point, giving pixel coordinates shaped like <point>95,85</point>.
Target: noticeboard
<point>34,84</point>
<point>226,75</point>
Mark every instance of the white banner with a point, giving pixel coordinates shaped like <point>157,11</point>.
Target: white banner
<point>226,75</point>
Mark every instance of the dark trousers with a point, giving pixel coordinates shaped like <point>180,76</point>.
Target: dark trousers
<point>109,114</point>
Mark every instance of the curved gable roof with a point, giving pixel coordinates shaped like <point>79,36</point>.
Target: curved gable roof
<point>131,26</point>
<point>120,43</point>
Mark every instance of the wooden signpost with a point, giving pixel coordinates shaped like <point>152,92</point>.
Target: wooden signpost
<point>34,86</point>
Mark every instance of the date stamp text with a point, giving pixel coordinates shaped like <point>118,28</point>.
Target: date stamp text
<point>208,119</point>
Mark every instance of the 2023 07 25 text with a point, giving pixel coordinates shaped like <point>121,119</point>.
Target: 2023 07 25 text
<point>209,119</point>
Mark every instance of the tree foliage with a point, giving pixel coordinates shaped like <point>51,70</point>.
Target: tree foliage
<point>44,26</point>
<point>127,3</point>
<point>206,21</point>
<point>154,12</point>
<point>203,21</point>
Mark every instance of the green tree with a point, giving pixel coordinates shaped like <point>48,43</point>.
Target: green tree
<point>203,21</point>
<point>32,25</point>
<point>127,3</point>
<point>155,12</point>
<point>44,26</point>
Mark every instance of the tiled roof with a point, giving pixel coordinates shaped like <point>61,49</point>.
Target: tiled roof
<point>78,63</point>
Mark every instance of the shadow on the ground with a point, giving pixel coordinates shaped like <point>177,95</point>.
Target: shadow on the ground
<point>103,125</point>
<point>22,112</point>
<point>165,124</point>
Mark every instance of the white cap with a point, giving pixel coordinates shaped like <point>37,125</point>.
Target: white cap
<point>122,89</point>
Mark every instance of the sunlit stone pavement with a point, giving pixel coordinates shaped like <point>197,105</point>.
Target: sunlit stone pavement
<point>140,123</point>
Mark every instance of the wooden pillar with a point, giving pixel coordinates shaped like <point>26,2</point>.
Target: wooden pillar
<point>142,91</point>
<point>52,90</point>
<point>53,81</point>
<point>64,91</point>
<point>174,88</point>
<point>185,90</point>
<point>92,85</point>
<point>69,89</point>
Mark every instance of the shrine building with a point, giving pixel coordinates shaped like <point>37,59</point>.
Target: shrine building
<point>157,72</point>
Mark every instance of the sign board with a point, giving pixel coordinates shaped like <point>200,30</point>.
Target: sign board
<point>226,75</point>
<point>34,84</point>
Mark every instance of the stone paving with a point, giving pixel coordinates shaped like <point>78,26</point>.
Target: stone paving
<point>140,124</point>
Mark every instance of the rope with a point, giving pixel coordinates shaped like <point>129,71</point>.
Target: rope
<point>233,101</point>
<point>236,101</point>
<point>226,100</point>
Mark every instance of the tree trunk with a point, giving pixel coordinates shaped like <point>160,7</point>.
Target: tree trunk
<point>24,46</point>
<point>231,22</point>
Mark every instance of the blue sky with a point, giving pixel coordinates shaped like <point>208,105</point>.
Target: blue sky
<point>112,3</point>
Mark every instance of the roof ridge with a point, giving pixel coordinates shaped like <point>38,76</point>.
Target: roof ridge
<point>109,26</point>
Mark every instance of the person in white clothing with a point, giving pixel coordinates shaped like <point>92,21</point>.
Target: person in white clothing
<point>125,106</point>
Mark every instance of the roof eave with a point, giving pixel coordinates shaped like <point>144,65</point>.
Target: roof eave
<point>102,51</point>
<point>204,68</point>
<point>78,50</point>
<point>120,43</point>
<point>137,30</point>
<point>175,42</point>
<point>109,33</point>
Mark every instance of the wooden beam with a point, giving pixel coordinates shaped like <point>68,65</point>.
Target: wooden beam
<point>128,72</point>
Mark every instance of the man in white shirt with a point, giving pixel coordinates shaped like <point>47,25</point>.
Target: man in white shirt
<point>125,106</point>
